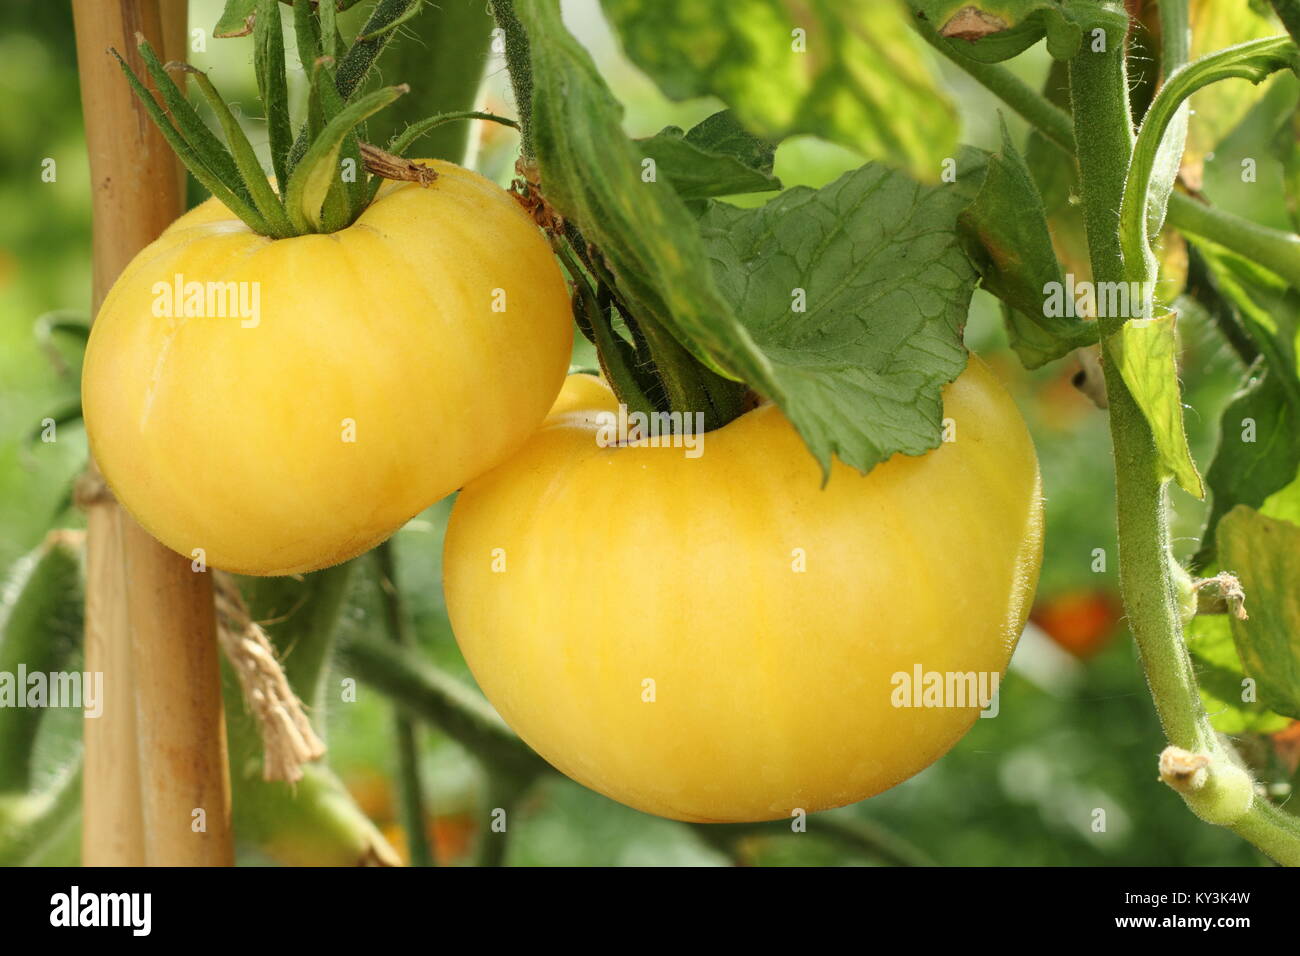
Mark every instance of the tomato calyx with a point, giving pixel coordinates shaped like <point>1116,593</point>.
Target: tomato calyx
<point>325,177</point>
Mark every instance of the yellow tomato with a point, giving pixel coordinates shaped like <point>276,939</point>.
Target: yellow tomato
<point>301,398</point>
<point>721,638</point>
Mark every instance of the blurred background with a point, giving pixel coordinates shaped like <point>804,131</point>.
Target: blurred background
<point>1076,731</point>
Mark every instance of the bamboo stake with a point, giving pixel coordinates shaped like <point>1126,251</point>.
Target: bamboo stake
<point>158,753</point>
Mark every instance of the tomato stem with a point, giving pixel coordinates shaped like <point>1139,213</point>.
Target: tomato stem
<point>520,68</point>
<point>1222,793</point>
<point>1272,248</point>
<point>414,805</point>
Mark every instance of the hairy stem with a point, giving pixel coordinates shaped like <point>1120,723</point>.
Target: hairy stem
<point>1199,766</point>
<point>1098,89</point>
<point>411,790</point>
<point>520,68</point>
<point>1253,61</point>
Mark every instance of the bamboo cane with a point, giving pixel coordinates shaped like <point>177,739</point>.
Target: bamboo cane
<point>157,755</point>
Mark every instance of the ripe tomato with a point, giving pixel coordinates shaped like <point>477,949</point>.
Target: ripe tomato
<point>1082,622</point>
<point>717,638</point>
<point>355,379</point>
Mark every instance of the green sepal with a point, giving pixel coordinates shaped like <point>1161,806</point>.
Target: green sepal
<point>268,62</point>
<point>264,197</point>
<point>241,207</point>
<point>315,175</point>
<point>188,122</point>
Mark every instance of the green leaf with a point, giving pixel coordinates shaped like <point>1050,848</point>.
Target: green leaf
<point>1006,235</point>
<point>1268,306</point>
<point>236,19</point>
<point>878,257</point>
<point>1146,351</point>
<point>1258,453</point>
<point>345,200</point>
<point>591,173</point>
<point>1264,553</point>
<point>40,627</point>
<point>1221,680</point>
<point>1221,107</point>
<point>374,35</point>
<point>1259,433</point>
<point>204,142</point>
<point>883,289</point>
<point>1284,504</point>
<point>716,158</point>
<point>850,71</point>
<point>1288,11</point>
<point>1286,147</point>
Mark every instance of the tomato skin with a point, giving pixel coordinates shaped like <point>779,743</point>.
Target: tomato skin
<point>234,439</point>
<point>772,687</point>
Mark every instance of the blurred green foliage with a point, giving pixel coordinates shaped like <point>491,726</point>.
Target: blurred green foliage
<point>1074,735</point>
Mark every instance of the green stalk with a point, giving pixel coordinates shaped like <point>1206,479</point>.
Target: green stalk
<point>519,65</point>
<point>618,360</point>
<point>1275,250</point>
<point>306,31</point>
<point>314,822</point>
<point>414,808</point>
<point>1220,793</point>
<point>1099,97</point>
<point>507,794</point>
<point>329,29</point>
<point>1252,61</point>
<point>408,136</point>
<point>444,63</point>
<point>264,197</point>
<point>429,694</point>
<point>300,616</point>
<point>268,63</point>
<point>845,830</point>
<point>356,63</point>
<point>401,143</point>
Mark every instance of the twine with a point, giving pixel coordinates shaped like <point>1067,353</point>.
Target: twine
<point>288,740</point>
